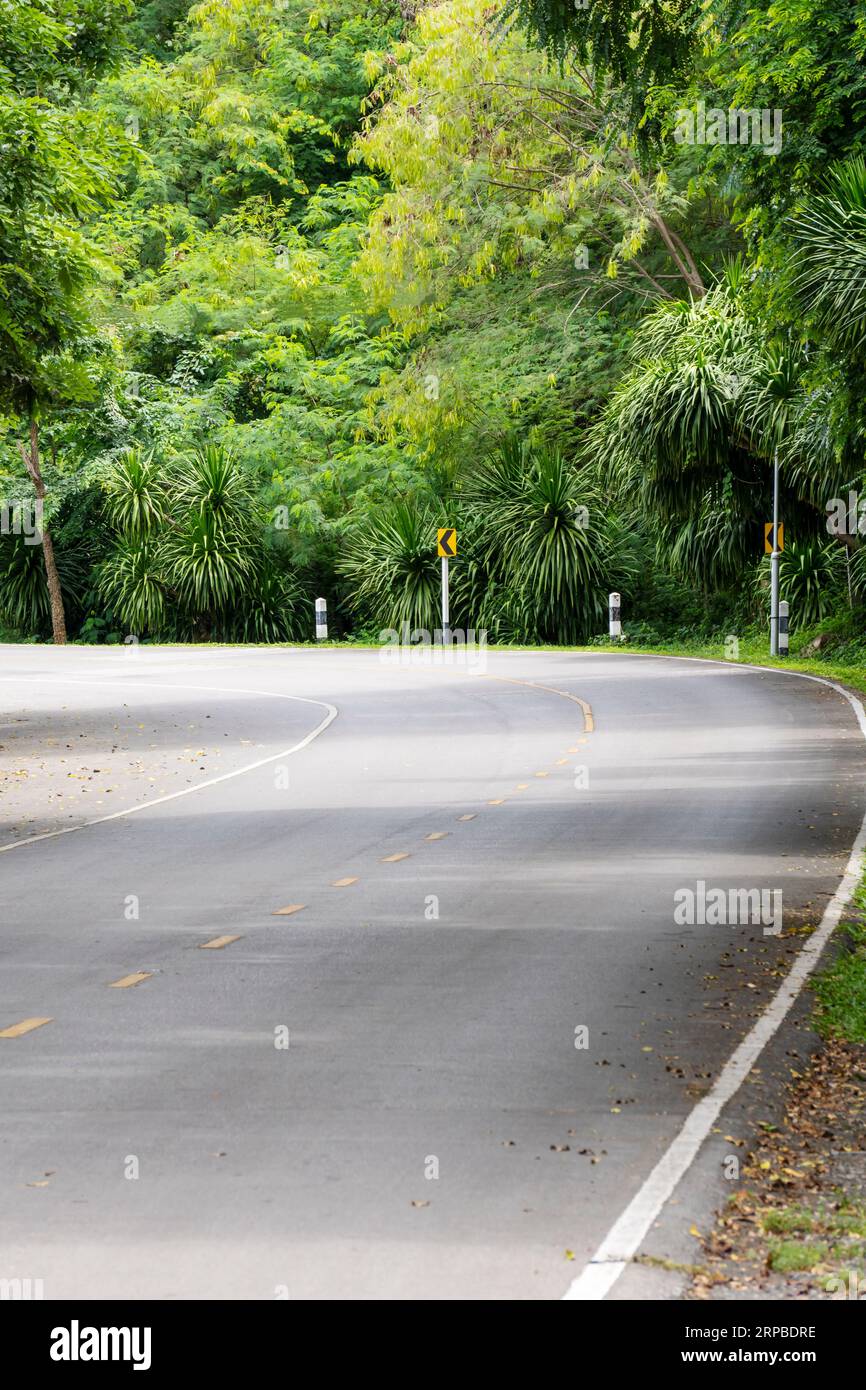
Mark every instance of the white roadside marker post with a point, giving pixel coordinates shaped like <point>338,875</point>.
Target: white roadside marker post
<point>783,628</point>
<point>321,620</point>
<point>614,624</point>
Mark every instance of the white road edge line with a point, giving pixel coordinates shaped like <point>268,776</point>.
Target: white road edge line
<point>187,791</point>
<point>627,1234</point>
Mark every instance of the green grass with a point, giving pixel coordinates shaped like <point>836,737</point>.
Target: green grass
<point>848,1220</point>
<point>791,1256</point>
<point>840,989</point>
<point>789,1221</point>
<point>752,651</point>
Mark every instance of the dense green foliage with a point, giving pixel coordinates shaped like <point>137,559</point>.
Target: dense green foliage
<point>283,288</point>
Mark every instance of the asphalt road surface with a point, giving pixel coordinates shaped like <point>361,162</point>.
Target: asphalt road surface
<point>450,1069</point>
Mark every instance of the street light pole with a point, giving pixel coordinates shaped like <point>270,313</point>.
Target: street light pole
<point>774,564</point>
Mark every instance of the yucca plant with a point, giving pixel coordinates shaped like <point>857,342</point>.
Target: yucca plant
<point>397,581</point>
<point>545,539</point>
<point>856,571</point>
<point>131,583</point>
<point>811,580</point>
<point>135,502</point>
<point>24,599</point>
<point>831,278</point>
<point>273,609</point>
<point>209,568</point>
<point>480,597</point>
<point>211,553</point>
<point>212,483</point>
<point>189,556</point>
<point>712,548</point>
<point>708,399</point>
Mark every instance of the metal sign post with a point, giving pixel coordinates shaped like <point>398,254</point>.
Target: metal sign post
<point>446,548</point>
<point>446,614</point>
<point>774,565</point>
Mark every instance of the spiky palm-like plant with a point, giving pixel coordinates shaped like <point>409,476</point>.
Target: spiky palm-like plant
<point>212,483</point>
<point>830,281</point>
<point>210,567</point>
<point>131,583</point>
<point>186,538</point>
<point>135,498</point>
<point>831,278</point>
<point>711,549</point>
<point>545,537</point>
<point>25,603</point>
<point>690,434</point>
<point>396,582</point>
<point>705,392</point>
<point>273,609</point>
<point>811,580</point>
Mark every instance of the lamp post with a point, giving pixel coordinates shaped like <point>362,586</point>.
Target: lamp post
<point>774,564</point>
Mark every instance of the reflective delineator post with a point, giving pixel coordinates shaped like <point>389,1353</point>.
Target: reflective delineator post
<point>321,620</point>
<point>783,628</point>
<point>615,626</point>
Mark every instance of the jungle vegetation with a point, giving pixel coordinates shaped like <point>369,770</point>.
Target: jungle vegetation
<point>286,285</point>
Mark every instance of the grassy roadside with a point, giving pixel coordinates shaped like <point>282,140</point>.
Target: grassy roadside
<point>752,650</point>
<point>796,1225</point>
<point>840,989</point>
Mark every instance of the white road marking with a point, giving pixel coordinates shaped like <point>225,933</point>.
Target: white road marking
<point>627,1234</point>
<point>187,791</point>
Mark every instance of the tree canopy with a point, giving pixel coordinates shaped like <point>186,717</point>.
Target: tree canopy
<point>273,274</point>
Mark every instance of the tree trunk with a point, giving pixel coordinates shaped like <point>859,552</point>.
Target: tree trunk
<point>55,594</point>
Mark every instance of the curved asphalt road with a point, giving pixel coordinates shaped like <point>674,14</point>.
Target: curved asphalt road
<point>418,1043</point>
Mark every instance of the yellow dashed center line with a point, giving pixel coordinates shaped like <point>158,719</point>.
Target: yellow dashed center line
<point>437,835</point>
<point>497,801</point>
<point>26,1025</point>
<point>128,981</point>
<point>542,774</point>
<point>469,817</point>
<point>217,943</point>
<point>343,882</point>
<point>521,786</point>
<point>287,911</point>
<point>560,762</point>
<point>588,720</point>
<point>393,858</point>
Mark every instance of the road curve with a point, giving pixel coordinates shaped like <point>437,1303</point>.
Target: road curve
<point>449,1070</point>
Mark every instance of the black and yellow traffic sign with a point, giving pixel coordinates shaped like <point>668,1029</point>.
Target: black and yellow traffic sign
<point>768,537</point>
<point>446,543</point>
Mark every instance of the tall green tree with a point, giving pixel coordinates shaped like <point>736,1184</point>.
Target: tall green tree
<point>58,167</point>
